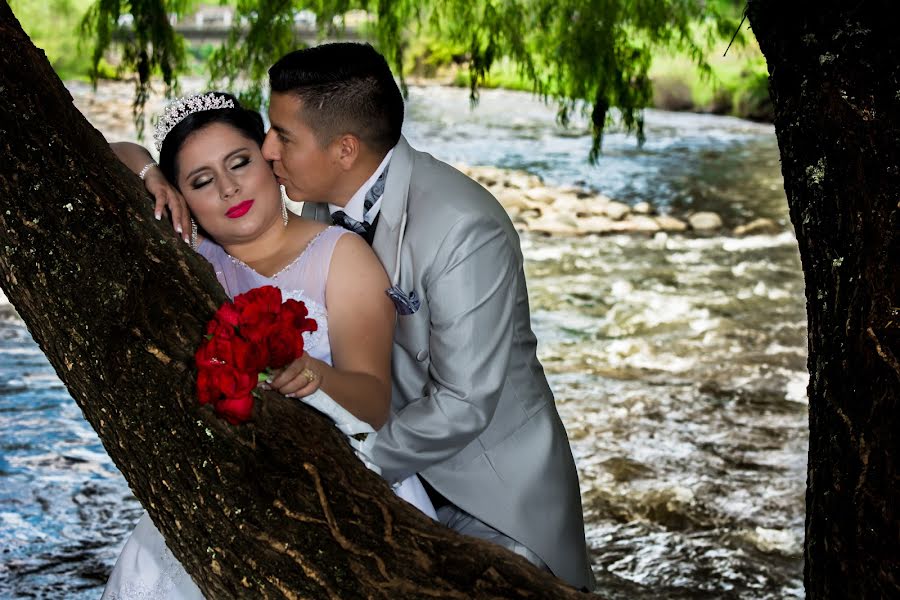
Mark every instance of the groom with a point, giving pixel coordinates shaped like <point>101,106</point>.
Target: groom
<point>472,412</point>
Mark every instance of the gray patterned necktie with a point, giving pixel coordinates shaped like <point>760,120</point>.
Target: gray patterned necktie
<point>367,230</point>
<point>376,190</point>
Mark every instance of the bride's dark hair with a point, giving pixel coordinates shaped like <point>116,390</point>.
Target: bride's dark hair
<point>248,122</point>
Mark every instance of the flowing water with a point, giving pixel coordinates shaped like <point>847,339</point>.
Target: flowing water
<point>678,364</point>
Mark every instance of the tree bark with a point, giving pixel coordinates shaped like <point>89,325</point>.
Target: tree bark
<point>834,71</point>
<point>278,508</point>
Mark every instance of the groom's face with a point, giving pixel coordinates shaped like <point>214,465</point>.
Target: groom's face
<point>309,172</point>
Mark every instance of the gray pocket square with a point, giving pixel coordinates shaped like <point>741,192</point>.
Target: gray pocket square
<point>406,304</point>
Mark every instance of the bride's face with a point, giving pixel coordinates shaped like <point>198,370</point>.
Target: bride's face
<point>227,184</point>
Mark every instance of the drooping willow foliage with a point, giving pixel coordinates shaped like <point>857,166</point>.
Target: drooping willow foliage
<point>583,55</point>
<point>151,46</point>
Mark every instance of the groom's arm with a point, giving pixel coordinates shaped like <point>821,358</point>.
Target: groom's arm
<point>471,296</point>
<point>136,158</point>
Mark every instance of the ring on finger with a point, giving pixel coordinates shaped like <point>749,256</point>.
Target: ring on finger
<point>309,374</point>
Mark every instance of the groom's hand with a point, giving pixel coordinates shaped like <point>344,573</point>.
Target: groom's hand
<point>166,196</point>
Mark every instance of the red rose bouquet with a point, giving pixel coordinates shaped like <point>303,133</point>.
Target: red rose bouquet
<point>245,340</point>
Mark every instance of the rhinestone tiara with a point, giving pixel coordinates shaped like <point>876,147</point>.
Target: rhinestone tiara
<point>178,109</point>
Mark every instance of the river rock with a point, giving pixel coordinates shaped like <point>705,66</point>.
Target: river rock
<point>513,199</point>
<point>634,225</point>
<point>705,221</point>
<point>587,208</point>
<point>541,194</point>
<point>643,208</point>
<point>554,224</point>
<point>596,224</point>
<point>575,190</point>
<point>522,181</point>
<point>667,223</point>
<point>487,176</point>
<point>643,224</point>
<point>526,216</point>
<point>616,210</point>
<point>758,227</point>
<point>567,203</point>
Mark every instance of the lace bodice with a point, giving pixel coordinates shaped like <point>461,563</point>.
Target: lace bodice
<point>303,279</point>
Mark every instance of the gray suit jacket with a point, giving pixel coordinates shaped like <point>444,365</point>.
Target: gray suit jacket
<point>472,411</point>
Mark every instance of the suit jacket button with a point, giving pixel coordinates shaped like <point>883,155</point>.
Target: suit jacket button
<point>422,355</point>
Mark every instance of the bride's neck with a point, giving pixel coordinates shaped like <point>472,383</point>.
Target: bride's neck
<point>265,248</point>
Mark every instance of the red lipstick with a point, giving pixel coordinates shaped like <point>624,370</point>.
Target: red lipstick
<point>239,210</point>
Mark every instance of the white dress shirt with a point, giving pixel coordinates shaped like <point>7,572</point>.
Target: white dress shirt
<point>355,208</point>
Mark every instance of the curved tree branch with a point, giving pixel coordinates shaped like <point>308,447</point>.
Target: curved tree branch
<point>278,508</point>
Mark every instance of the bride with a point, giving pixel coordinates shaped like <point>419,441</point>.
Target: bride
<point>210,151</point>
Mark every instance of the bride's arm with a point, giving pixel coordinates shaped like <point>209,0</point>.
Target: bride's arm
<point>136,158</point>
<point>360,330</point>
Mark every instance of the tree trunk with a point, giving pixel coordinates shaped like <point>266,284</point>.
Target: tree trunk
<point>276,508</point>
<point>834,71</point>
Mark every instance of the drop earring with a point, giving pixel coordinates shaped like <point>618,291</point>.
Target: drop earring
<point>284,210</point>
<point>193,234</point>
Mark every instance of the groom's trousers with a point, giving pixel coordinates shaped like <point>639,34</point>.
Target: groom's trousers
<point>462,522</point>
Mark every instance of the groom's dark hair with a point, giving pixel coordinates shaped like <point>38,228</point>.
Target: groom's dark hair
<point>344,88</point>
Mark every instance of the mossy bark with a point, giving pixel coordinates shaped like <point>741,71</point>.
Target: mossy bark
<point>278,508</point>
<point>834,71</point>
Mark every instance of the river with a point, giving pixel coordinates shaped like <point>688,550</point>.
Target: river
<point>678,363</point>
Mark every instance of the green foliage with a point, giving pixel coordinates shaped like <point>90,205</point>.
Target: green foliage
<point>151,46</point>
<point>51,25</point>
<point>428,55</point>
<point>736,83</point>
<point>582,55</point>
<point>251,49</point>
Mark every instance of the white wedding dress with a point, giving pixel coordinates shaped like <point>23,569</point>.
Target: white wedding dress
<point>146,569</point>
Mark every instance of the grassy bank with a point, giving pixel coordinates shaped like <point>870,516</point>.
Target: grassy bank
<point>737,84</point>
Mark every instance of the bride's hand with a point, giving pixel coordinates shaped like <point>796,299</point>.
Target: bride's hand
<point>167,196</point>
<point>300,378</point>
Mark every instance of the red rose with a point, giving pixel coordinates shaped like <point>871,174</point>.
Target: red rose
<point>212,352</point>
<point>235,410</point>
<point>284,345</point>
<point>232,383</point>
<point>266,298</point>
<point>224,322</point>
<point>206,389</point>
<point>293,315</point>
<point>258,310</point>
<point>248,356</point>
<point>215,352</point>
<point>229,391</point>
<point>235,352</point>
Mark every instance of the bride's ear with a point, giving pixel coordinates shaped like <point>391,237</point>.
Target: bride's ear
<point>347,149</point>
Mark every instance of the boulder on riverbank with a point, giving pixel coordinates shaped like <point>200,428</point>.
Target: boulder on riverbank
<point>573,211</point>
<point>758,227</point>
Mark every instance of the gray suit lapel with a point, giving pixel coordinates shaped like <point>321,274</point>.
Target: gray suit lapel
<point>393,206</point>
